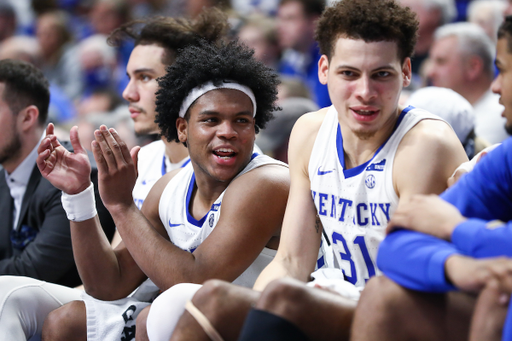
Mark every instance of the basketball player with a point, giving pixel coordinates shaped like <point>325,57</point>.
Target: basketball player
<point>349,165</point>
<point>155,47</point>
<point>196,224</point>
<point>458,254</point>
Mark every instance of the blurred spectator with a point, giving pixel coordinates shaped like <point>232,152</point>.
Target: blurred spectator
<point>99,101</point>
<point>98,63</point>
<point>259,33</point>
<point>508,9</point>
<point>292,87</point>
<point>296,23</point>
<point>27,49</point>
<point>455,110</point>
<point>462,59</point>
<point>266,7</point>
<point>7,20</point>
<point>488,14</point>
<point>431,15</point>
<point>107,15</point>
<point>59,56</point>
<point>273,140</point>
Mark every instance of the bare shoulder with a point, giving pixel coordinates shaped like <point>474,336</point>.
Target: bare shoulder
<point>272,178</point>
<point>303,138</point>
<point>426,157</point>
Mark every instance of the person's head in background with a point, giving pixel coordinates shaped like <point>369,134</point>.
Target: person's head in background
<point>258,32</point>
<point>53,34</point>
<point>487,14</point>
<point>461,59</point>
<point>431,14</point>
<point>107,15</point>
<point>24,100</point>
<point>157,41</point>
<point>8,21</point>
<point>455,110</point>
<point>296,23</point>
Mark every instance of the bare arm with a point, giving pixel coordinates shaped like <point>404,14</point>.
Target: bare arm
<point>252,212</point>
<point>98,265</point>
<point>301,233</point>
<point>426,158</point>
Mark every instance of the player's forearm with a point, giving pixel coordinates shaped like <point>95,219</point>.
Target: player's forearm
<point>95,259</point>
<point>164,263</point>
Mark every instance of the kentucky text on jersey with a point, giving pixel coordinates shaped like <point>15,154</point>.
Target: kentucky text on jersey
<point>361,213</point>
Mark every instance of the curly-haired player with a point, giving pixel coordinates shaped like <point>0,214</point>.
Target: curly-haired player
<point>232,63</point>
<point>350,164</point>
<point>212,218</point>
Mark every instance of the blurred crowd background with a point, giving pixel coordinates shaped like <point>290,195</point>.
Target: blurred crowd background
<point>67,39</point>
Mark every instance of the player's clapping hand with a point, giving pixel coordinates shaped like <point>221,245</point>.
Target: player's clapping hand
<point>69,172</point>
<point>117,168</point>
<point>427,214</point>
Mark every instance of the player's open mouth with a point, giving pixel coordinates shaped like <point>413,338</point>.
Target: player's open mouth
<point>365,115</point>
<point>224,153</point>
<point>366,112</point>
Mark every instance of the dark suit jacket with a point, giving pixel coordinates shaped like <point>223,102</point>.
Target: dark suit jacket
<point>41,245</point>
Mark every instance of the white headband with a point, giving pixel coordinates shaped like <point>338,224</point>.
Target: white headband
<point>202,89</point>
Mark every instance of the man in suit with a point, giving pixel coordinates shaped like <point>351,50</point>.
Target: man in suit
<point>34,231</point>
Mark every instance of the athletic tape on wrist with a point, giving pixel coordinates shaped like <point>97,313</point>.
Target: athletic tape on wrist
<point>81,206</point>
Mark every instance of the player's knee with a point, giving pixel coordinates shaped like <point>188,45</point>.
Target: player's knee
<point>66,323</point>
<point>284,297</point>
<point>212,295</point>
<point>381,295</point>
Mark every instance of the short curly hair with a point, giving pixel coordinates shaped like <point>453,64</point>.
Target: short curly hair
<point>173,33</point>
<point>369,20</point>
<point>199,64</point>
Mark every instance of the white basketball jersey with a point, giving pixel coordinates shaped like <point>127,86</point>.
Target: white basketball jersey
<point>186,232</point>
<point>152,165</point>
<point>355,204</point>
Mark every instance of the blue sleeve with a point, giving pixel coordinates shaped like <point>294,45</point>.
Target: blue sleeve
<point>480,239</point>
<point>415,260</point>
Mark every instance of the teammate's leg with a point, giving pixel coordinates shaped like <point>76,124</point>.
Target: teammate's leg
<point>25,302</point>
<point>387,311</point>
<point>225,305</point>
<point>68,322</point>
<point>318,313</point>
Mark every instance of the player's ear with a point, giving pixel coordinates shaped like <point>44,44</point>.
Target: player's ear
<point>407,72</point>
<point>323,69</point>
<point>181,127</point>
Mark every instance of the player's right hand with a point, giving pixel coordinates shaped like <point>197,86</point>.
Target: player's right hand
<point>69,172</point>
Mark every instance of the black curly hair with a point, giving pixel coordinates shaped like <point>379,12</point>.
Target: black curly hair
<point>173,33</point>
<point>199,64</point>
<point>369,20</point>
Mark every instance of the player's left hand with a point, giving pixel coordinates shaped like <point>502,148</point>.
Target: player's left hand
<point>117,168</point>
<point>427,214</point>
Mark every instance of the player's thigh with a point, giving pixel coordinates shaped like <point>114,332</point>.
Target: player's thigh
<point>25,303</point>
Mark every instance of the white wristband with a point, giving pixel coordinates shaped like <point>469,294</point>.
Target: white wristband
<point>81,206</point>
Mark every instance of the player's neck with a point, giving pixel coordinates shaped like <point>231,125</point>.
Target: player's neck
<point>175,151</point>
<point>358,148</point>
